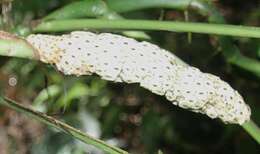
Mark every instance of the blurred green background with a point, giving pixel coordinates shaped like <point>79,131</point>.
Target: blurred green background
<point>124,115</point>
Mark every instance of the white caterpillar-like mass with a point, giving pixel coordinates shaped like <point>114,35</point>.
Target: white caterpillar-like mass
<point>120,59</point>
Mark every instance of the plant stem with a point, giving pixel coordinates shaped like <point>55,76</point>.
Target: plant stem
<point>13,46</point>
<point>205,28</point>
<point>253,130</point>
<point>246,63</point>
<point>126,5</point>
<point>62,127</point>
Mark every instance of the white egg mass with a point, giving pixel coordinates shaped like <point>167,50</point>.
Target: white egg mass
<point>121,59</point>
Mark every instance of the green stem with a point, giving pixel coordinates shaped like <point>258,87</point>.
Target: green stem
<point>253,130</point>
<point>205,28</point>
<point>62,127</point>
<point>130,5</point>
<point>246,63</point>
<point>13,46</point>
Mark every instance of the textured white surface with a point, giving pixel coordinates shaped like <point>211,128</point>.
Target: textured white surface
<point>120,59</point>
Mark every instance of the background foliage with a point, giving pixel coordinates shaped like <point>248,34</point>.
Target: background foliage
<point>126,115</point>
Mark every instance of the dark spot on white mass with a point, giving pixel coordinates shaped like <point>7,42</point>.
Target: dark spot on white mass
<point>116,68</point>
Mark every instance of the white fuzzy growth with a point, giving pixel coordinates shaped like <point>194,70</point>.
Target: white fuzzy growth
<point>120,59</point>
